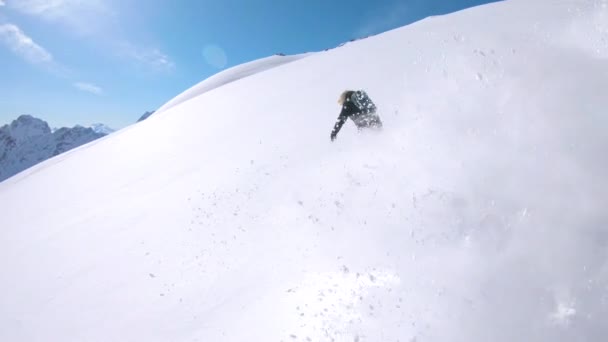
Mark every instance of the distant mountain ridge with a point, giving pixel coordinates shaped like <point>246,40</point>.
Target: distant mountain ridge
<point>28,141</point>
<point>146,115</point>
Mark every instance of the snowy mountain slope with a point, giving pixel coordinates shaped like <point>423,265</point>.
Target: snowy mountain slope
<point>231,75</point>
<point>28,141</point>
<point>476,215</point>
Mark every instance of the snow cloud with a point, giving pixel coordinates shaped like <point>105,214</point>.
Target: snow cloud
<point>89,88</point>
<point>21,44</point>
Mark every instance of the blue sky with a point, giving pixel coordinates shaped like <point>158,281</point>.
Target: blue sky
<point>86,61</point>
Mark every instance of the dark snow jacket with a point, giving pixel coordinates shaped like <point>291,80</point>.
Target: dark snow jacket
<point>364,117</point>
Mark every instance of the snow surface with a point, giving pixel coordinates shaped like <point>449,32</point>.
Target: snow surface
<point>230,75</point>
<point>478,214</point>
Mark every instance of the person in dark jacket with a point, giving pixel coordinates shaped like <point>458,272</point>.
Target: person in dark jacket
<point>357,106</point>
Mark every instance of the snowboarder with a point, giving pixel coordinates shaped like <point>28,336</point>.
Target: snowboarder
<point>357,106</point>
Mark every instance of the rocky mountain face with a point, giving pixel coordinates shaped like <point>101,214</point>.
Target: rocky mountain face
<point>145,116</point>
<point>28,141</point>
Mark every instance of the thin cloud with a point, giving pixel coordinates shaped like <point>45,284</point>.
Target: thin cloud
<point>89,88</point>
<point>17,41</point>
<point>2,3</point>
<point>80,17</point>
<point>93,19</point>
<point>151,58</point>
<point>58,9</point>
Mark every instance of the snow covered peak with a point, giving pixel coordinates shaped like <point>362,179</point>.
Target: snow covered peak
<point>26,127</point>
<point>101,128</point>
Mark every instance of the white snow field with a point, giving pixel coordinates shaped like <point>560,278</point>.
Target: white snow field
<point>230,75</point>
<point>477,214</point>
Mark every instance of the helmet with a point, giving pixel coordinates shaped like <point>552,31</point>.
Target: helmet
<point>343,96</point>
